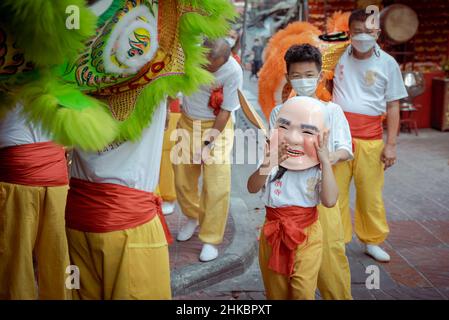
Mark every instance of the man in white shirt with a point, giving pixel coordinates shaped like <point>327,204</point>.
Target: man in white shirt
<point>208,108</point>
<point>33,193</point>
<point>303,63</point>
<point>367,84</point>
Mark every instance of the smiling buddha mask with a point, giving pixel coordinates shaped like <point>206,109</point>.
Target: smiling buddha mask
<point>299,124</point>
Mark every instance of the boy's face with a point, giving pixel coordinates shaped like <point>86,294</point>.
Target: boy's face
<point>233,34</point>
<point>302,70</point>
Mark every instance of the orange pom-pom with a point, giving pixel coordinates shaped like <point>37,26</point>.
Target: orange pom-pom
<point>216,100</point>
<point>339,21</point>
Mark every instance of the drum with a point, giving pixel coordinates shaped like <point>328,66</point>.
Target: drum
<point>399,23</point>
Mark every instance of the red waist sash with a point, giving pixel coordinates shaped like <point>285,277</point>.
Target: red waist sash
<point>365,127</point>
<point>284,231</point>
<point>106,207</point>
<point>41,164</point>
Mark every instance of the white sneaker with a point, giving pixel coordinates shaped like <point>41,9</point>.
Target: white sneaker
<point>208,253</point>
<point>168,207</point>
<point>377,253</point>
<point>187,230</point>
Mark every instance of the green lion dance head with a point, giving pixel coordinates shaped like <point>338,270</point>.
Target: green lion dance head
<point>93,75</point>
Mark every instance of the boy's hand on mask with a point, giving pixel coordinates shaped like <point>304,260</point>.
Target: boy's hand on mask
<point>321,147</point>
<point>282,153</point>
<point>273,159</point>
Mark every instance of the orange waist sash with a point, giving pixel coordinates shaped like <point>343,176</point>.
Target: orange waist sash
<point>41,164</point>
<point>106,207</point>
<point>284,231</point>
<point>365,127</point>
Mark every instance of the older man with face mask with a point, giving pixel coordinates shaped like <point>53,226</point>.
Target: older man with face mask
<point>367,84</point>
<point>206,117</point>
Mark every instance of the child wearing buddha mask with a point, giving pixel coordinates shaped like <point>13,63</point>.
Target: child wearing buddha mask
<point>303,64</point>
<point>291,238</point>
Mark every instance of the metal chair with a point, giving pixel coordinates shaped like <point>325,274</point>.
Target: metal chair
<point>407,121</point>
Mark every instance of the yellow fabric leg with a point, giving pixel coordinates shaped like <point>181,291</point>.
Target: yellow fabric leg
<point>343,177</point>
<point>370,219</point>
<point>186,183</point>
<point>302,284</point>
<point>125,264</point>
<point>166,178</point>
<point>334,278</point>
<point>215,202</point>
<point>187,173</point>
<point>211,209</point>
<point>32,222</point>
<point>276,285</point>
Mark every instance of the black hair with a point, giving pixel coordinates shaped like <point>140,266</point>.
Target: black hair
<point>358,15</point>
<point>303,53</point>
<point>279,174</point>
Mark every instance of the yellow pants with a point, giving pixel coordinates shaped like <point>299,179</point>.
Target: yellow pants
<point>32,223</point>
<point>167,189</point>
<point>370,220</point>
<point>334,278</point>
<point>302,284</point>
<point>125,264</point>
<point>211,208</point>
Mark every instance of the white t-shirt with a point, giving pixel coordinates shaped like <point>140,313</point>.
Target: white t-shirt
<point>295,188</point>
<point>230,77</point>
<point>339,133</point>
<point>131,164</point>
<point>16,130</point>
<point>365,86</point>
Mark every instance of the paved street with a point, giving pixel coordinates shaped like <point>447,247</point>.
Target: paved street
<point>416,196</point>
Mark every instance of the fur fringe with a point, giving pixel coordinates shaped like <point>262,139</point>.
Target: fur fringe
<point>39,28</point>
<point>68,116</point>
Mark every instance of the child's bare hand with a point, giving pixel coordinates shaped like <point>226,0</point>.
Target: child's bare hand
<point>276,158</point>
<point>282,153</point>
<point>321,147</point>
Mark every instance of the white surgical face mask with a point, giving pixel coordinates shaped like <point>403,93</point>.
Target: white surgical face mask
<point>230,41</point>
<point>305,87</point>
<point>363,42</point>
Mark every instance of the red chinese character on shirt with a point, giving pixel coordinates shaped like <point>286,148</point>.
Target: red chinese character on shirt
<point>278,183</point>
